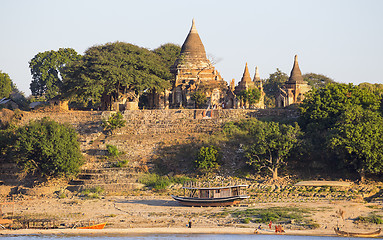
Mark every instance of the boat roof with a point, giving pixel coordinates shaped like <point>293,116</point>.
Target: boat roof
<point>216,188</point>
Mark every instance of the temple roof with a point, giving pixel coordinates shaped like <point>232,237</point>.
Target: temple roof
<point>256,78</point>
<point>246,75</point>
<point>193,46</point>
<point>295,75</point>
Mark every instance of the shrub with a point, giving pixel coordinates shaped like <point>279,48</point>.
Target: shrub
<point>112,150</point>
<point>370,219</point>
<point>208,159</point>
<point>47,148</point>
<point>116,120</point>
<point>121,164</point>
<point>92,193</point>
<point>158,182</point>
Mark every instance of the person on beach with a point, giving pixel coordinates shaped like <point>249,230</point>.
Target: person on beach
<point>270,223</point>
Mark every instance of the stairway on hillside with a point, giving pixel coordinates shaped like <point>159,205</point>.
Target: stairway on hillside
<point>111,180</point>
<point>8,174</point>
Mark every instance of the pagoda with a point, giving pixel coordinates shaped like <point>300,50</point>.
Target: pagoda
<point>293,90</point>
<point>194,72</point>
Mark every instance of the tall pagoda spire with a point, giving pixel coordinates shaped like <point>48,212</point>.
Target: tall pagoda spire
<point>193,47</point>
<point>296,75</point>
<point>246,75</point>
<point>257,79</point>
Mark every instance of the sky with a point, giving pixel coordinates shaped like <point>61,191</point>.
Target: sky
<point>342,39</point>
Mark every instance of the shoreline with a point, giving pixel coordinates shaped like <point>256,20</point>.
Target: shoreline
<point>150,231</point>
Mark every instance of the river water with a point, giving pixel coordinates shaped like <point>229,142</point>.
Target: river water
<point>177,237</point>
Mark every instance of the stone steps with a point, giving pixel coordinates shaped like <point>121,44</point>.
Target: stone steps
<point>107,187</point>
<point>109,179</point>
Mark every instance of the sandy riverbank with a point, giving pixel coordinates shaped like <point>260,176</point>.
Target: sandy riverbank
<point>162,215</point>
<point>145,231</point>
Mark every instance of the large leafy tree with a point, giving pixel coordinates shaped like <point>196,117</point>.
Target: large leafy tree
<point>107,71</point>
<point>46,69</point>
<point>200,99</point>
<point>322,107</point>
<point>47,148</point>
<point>317,80</point>
<point>5,85</point>
<point>321,110</point>
<point>271,86</point>
<point>271,145</point>
<point>357,137</point>
<point>169,53</point>
<point>250,96</point>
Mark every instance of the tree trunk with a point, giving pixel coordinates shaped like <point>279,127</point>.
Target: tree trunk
<point>362,175</point>
<point>275,173</point>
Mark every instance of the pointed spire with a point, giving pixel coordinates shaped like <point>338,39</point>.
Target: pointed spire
<point>257,79</point>
<point>193,29</point>
<point>296,74</point>
<point>256,76</point>
<point>193,47</point>
<point>232,85</point>
<point>246,75</point>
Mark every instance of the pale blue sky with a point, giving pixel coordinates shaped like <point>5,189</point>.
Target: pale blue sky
<point>342,39</point>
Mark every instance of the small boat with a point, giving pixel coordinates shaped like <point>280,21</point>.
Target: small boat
<point>212,196</point>
<point>354,234</point>
<point>96,226</point>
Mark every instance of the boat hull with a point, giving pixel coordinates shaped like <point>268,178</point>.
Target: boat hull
<point>354,234</point>
<point>209,202</point>
<point>96,226</point>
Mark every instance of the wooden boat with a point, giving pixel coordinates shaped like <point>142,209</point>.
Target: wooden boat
<point>212,196</point>
<point>96,226</point>
<point>355,234</point>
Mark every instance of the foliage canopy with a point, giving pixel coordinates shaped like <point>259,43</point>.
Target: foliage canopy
<point>47,148</point>
<point>272,143</point>
<point>46,69</point>
<point>107,71</point>
<point>208,159</point>
<point>5,85</point>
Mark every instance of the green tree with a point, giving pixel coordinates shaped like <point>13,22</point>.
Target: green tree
<point>107,71</point>
<point>322,107</point>
<point>376,88</point>
<point>208,159</point>
<point>250,96</point>
<point>115,120</point>
<point>317,80</point>
<point>169,53</point>
<point>357,137</point>
<point>5,85</point>
<point>46,69</point>
<point>272,143</point>
<point>321,110</point>
<point>272,84</point>
<point>47,148</point>
<point>199,97</point>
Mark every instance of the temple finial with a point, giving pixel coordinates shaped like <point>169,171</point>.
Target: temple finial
<point>193,28</point>
<point>256,76</point>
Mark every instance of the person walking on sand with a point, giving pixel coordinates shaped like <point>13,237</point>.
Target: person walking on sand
<point>270,223</point>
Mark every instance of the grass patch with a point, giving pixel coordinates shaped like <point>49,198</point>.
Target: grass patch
<point>112,150</point>
<point>121,164</point>
<point>92,193</point>
<point>274,214</point>
<point>158,182</point>
<point>369,219</point>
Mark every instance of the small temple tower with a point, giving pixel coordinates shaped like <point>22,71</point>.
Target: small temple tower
<point>259,84</point>
<point>246,83</point>
<point>194,72</point>
<point>294,89</point>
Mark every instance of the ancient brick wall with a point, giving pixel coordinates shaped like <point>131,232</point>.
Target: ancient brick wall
<point>145,130</point>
